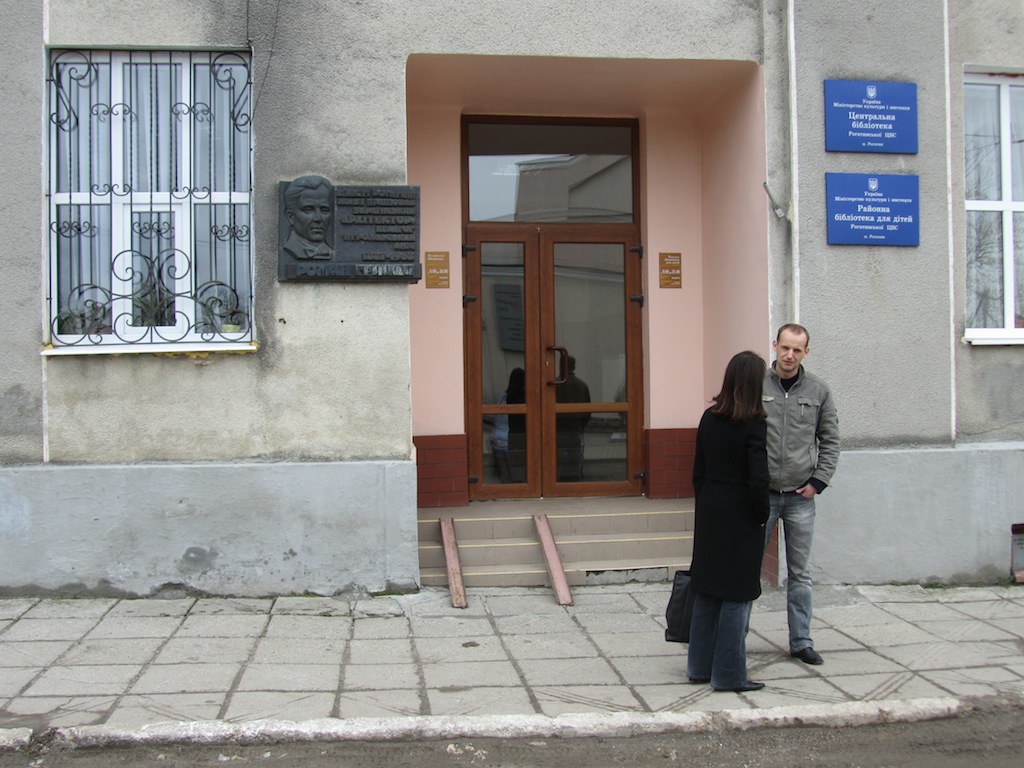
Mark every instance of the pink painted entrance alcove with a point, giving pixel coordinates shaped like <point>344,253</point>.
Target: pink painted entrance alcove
<point>702,165</point>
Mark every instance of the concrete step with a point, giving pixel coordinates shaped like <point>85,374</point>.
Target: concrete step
<point>592,536</point>
<point>490,576</point>
<point>478,552</point>
<point>514,519</point>
<point>587,548</point>
<point>576,574</point>
<point>469,528</point>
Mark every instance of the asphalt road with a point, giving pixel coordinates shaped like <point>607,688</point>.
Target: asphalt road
<point>992,734</point>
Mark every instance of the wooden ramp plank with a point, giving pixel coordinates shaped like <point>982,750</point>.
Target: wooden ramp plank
<point>453,563</point>
<point>551,558</point>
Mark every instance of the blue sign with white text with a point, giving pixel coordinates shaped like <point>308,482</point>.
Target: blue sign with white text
<point>873,209</point>
<point>867,116</point>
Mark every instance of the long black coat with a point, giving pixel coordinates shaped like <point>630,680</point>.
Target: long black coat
<point>730,480</point>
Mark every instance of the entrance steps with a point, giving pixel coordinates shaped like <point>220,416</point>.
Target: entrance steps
<point>498,543</point>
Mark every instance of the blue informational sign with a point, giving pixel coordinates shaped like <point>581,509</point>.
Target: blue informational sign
<point>867,116</point>
<point>873,209</point>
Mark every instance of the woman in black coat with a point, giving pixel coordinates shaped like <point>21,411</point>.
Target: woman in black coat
<point>730,481</point>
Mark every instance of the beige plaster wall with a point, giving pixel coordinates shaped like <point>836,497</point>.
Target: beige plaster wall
<point>985,35</point>
<point>340,109</point>
<point>879,317</point>
<point>331,378</point>
<point>21,161</point>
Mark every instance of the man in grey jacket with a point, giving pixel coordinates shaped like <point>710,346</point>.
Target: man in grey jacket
<point>803,449</point>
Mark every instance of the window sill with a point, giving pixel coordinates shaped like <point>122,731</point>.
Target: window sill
<point>192,349</point>
<point>994,336</point>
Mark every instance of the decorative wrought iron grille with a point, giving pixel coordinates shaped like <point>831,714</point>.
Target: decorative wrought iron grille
<point>150,188</point>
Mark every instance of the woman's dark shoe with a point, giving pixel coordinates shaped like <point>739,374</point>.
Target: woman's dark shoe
<point>750,685</point>
<point>700,680</point>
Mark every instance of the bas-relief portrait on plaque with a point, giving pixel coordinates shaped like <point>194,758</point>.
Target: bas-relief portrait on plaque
<point>365,233</point>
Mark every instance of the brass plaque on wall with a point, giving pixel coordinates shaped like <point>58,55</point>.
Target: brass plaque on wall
<point>438,271</point>
<point>670,270</point>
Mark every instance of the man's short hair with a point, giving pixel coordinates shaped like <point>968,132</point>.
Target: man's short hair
<point>300,185</point>
<point>797,329</point>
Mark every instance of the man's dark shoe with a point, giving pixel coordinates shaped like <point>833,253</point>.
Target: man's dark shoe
<point>750,685</point>
<point>700,680</point>
<point>808,656</point>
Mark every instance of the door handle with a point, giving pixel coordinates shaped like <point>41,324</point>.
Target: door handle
<point>563,368</point>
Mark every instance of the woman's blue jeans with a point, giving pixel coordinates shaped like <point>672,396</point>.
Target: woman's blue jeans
<point>718,641</point>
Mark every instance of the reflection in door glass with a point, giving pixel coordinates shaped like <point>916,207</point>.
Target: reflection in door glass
<point>505,448</point>
<point>591,447</point>
<point>502,333</point>
<point>590,317</point>
<point>550,173</point>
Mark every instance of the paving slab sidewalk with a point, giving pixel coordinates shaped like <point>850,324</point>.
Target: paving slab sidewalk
<point>512,663</point>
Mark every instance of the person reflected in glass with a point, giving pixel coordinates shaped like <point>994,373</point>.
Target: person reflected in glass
<point>730,483</point>
<point>514,455</point>
<point>500,428</point>
<point>307,207</point>
<point>570,426</point>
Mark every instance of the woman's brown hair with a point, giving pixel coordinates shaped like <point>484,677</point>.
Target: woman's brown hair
<point>740,398</point>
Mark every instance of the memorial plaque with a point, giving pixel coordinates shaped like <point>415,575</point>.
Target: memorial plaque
<point>872,209</point>
<point>868,116</point>
<point>363,233</point>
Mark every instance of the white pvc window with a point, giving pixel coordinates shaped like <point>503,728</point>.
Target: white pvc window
<point>150,190</point>
<point>994,192</point>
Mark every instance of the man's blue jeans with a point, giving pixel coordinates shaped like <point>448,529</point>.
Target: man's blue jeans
<point>718,642</point>
<point>797,516</point>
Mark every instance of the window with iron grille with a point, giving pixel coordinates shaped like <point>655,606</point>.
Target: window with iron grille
<point>150,187</point>
<point>994,191</point>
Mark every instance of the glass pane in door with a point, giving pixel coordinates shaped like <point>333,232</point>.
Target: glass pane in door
<point>550,172</point>
<point>504,449</point>
<point>590,318</point>
<point>503,360</point>
<point>604,448</point>
<point>590,326</point>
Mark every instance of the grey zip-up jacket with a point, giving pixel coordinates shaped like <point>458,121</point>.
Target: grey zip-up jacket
<point>803,431</point>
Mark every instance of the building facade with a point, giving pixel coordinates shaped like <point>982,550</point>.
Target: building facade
<point>613,200</point>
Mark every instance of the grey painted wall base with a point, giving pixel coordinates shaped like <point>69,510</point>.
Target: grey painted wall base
<point>920,515</point>
<point>222,529</point>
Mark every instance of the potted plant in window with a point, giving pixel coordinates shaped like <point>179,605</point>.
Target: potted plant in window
<point>221,309</point>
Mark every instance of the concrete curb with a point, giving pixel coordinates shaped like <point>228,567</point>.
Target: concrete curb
<point>609,725</point>
<point>14,738</point>
<point>847,713</point>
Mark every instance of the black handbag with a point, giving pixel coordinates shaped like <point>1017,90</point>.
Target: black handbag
<point>680,609</point>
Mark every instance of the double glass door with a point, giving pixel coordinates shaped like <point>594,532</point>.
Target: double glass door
<point>553,360</point>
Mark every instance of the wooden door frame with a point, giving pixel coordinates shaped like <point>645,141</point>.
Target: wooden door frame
<point>538,254</point>
<point>626,235</point>
<point>629,235</point>
<point>476,410</point>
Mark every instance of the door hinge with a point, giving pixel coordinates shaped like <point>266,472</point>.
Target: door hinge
<point>473,479</point>
<point>638,298</point>
<point>466,298</point>
<point>640,476</point>
<point>637,249</point>
<point>466,249</point>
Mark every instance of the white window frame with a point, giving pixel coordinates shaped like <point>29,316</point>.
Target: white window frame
<point>1007,208</point>
<point>187,332</point>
